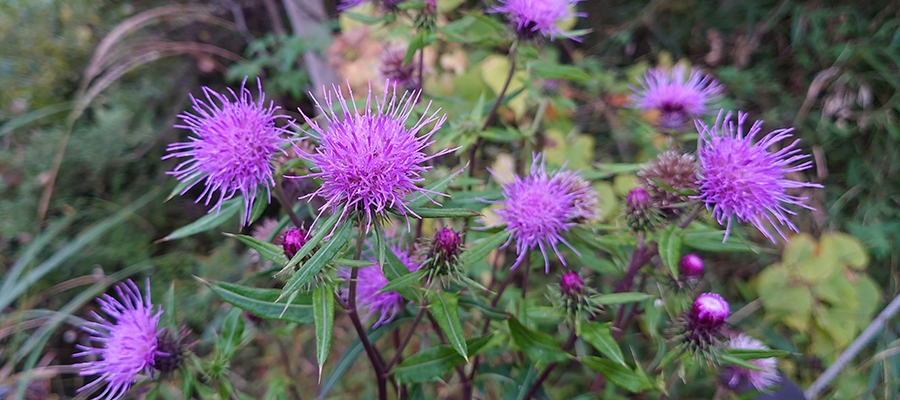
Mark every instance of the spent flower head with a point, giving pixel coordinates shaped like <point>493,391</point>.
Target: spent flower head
<point>671,170</point>
<point>743,180</point>
<point>740,378</point>
<point>232,147</point>
<point>394,71</point>
<point>369,160</point>
<point>679,94</point>
<point>370,280</point>
<point>538,17</point>
<point>538,209</point>
<point>128,340</point>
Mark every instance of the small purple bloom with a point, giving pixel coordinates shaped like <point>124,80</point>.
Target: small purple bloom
<point>231,149</point>
<point>369,160</point>
<point>708,312</point>
<point>638,199</point>
<point>690,266</point>
<point>446,245</point>
<point>128,338</point>
<point>571,284</point>
<point>369,281</point>
<point>738,378</point>
<point>678,94</point>
<point>293,241</point>
<point>538,17</point>
<point>538,209</point>
<point>742,179</point>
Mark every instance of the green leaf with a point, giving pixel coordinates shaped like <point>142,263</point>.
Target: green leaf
<point>394,269</point>
<point>670,248</point>
<point>620,298</point>
<point>754,354</point>
<point>169,316</point>
<point>403,282</point>
<point>419,42</point>
<point>232,332</point>
<point>318,234</point>
<point>315,263</point>
<point>209,221</point>
<point>323,314</point>
<point>482,248</point>
<point>445,309</point>
<point>444,212</point>
<point>431,364</point>
<point>599,336</point>
<point>737,361</point>
<point>539,347</point>
<point>619,374</point>
<point>352,354</point>
<point>417,200</point>
<point>269,251</point>
<point>261,302</point>
<point>701,237</point>
<point>552,70</point>
<point>488,311</point>
<point>346,262</point>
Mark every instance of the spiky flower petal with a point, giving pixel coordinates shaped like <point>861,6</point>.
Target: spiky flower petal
<point>739,378</point>
<point>369,160</point>
<point>128,339</point>
<point>231,149</point>
<point>538,209</point>
<point>678,94</point>
<point>742,180</point>
<point>370,280</point>
<point>538,17</point>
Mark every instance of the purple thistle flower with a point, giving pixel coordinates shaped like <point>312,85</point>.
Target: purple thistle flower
<point>678,94</point>
<point>709,312</point>
<point>369,281</point>
<point>571,284</point>
<point>538,209</point>
<point>231,148</point>
<point>370,161</point>
<point>690,266</point>
<point>129,340</point>
<point>743,180</point>
<point>533,17</point>
<point>738,378</point>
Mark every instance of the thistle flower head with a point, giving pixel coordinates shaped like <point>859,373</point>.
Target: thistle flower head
<point>170,350</point>
<point>538,17</point>
<point>538,209</point>
<point>293,241</point>
<point>677,93</point>
<point>370,280</point>
<point>394,71</point>
<point>571,284</point>
<point>573,298</point>
<point>640,214</point>
<point>128,339</point>
<point>741,379</point>
<point>708,312</point>
<point>447,244</point>
<point>231,149</point>
<point>369,160</point>
<point>690,266</point>
<point>585,198</point>
<point>675,170</point>
<point>742,180</point>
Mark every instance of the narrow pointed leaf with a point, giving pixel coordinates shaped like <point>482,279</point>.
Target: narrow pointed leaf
<point>737,361</point>
<point>445,309</point>
<point>209,221</point>
<point>539,347</point>
<point>393,269</point>
<point>483,247</point>
<point>619,374</point>
<point>404,282</point>
<point>315,263</point>
<point>323,313</point>
<point>431,364</point>
<point>346,262</point>
<point>261,302</point>
<point>269,251</point>
<point>445,212</point>
<point>417,200</point>
<point>487,310</point>
<point>599,336</point>
<point>670,248</point>
<point>752,354</point>
<point>318,235</point>
<point>620,298</point>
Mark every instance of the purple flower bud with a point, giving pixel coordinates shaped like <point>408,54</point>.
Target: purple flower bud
<point>640,214</point>
<point>571,284</point>
<point>709,312</point>
<point>294,239</point>
<point>446,245</point>
<point>638,199</point>
<point>690,266</point>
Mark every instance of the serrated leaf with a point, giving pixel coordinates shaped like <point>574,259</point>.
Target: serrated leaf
<point>269,251</point>
<point>620,298</point>
<point>618,374</point>
<point>431,364</point>
<point>445,310</point>
<point>318,260</point>
<point>599,336</point>
<point>539,347</point>
<point>482,248</point>
<point>670,248</point>
<point>209,221</point>
<point>261,302</point>
<point>444,212</point>
<point>323,314</point>
<point>403,282</point>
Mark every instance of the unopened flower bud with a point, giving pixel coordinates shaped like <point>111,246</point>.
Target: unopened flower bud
<point>690,267</point>
<point>709,312</point>
<point>571,284</point>
<point>446,244</point>
<point>639,211</point>
<point>294,239</point>
<point>442,255</point>
<point>169,351</point>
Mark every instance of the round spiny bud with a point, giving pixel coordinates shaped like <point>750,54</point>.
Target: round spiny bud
<point>708,312</point>
<point>169,351</point>
<point>690,267</point>
<point>446,245</point>
<point>639,211</point>
<point>671,170</point>
<point>294,239</point>
<point>571,285</point>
